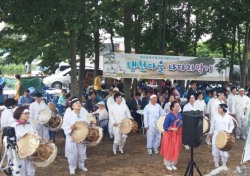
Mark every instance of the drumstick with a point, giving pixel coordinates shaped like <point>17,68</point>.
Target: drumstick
<point>179,125</point>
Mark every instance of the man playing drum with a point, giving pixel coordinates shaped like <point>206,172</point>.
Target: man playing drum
<point>35,108</point>
<point>152,112</point>
<point>75,152</point>
<point>242,109</point>
<point>117,112</point>
<point>22,126</point>
<point>221,122</point>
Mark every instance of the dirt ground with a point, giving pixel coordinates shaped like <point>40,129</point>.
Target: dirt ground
<point>135,161</point>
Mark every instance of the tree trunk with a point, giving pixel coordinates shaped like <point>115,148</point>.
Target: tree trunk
<point>97,51</point>
<point>112,41</point>
<point>97,42</point>
<point>232,54</point>
<point>239,44</point>
<point>243,70</point>
<point>72,42</point>
<point>188,30</point>
<point>81,73</point>
<point>127,42</point>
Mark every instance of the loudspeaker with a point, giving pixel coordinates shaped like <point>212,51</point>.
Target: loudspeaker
<point>192,128</point>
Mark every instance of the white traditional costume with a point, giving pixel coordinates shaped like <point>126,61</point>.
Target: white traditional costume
<point>167,108</point>
<point>242,105</point>
<point>209,104</point>
<point>231,103</point>
<point>117,113</point>
<point>7,117</point>
<point>201,105</point>
<point>151,115</point>
<point>110,103</point>
<point>75,152</point>
<point>189,107</point>
<point>218,124</point>
<point>35,108</point>
<point>214,109</point>
<point>27,167</point>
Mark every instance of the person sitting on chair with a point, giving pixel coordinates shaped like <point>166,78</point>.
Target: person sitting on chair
<point>25,99</point>
<point>103,113</point>
<point>91,103</point>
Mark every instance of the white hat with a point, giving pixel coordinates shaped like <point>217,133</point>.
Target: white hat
<point>152,96</point>
<point>115,89</point>
<point>100,103</point>
<point>241,89</point>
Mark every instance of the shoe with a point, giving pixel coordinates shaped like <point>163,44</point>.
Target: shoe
<point>121,151</point>
<point>224,164</point>
<point>156,151</point>
<point>216,165</point>
<point>174,167</point>
<point>84,169</point>
<point>150,151</point>
<point>243,137</point>
<point>72,172</point>
<point>237,137</point>
<point>169,168</point>
<point>114,152</point>
<point>186,147</point>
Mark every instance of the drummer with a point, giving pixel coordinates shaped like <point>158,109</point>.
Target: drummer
<point>75,152</point>
<point>222,122</point>
<point>35,108</point>
<point>152,112</point>
<point>52,134</point>
<point>22,126</point>
<point>117,112</point>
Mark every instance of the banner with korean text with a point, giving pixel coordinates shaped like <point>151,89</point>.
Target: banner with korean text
<point>144,66</point>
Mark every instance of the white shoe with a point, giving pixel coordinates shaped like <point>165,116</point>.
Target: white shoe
<point>72,172</point>
<point>237,137</point>
<point>84,169</point>
<point>216,165</point>
<point>150,151</point>
<point>169,168</point>
<point>156,151</point>
<point>186,147</point>
<point>224,164</point>
<point>174,167</point>
<point>243,137</point>
<point>114,152</point>
<point>121,151</point>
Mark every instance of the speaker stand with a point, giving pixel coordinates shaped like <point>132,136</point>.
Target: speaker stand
<point>191,165</point>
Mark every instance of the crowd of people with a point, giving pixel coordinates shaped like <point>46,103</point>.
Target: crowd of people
<point>222,108</point>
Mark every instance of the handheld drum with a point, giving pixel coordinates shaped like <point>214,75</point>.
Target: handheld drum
<point>44,116</point>
<point>94,136</point>
<point>27,144</point>
<point>55,122</point>
<point>206,125</point>
<point>128,126</point>
<point>91,119</point>
<point>80,131</point>
<point>45,154</point>
<point>159,124</point>
<point>224,141</point>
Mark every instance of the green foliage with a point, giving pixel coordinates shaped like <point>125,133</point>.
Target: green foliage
<point>12,69</point>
